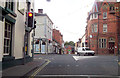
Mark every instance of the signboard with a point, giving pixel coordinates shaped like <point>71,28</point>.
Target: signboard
<point>69,50</point>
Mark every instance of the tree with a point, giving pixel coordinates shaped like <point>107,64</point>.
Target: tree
<point>69,43</point>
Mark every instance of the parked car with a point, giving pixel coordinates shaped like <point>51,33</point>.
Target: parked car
<point>85,51</point>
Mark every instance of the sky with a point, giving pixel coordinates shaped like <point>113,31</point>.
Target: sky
<point>68,16</point>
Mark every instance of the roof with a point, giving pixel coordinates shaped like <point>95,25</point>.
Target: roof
<point>97,5</point>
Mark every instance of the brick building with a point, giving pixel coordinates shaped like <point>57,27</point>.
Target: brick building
<point>102,30</point>
<point>69,49</point>
<point>57,41</point>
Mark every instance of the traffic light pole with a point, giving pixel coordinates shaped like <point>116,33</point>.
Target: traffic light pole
<point>33,33</point>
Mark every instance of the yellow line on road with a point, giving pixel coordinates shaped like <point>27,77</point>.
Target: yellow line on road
<point>35,73</point>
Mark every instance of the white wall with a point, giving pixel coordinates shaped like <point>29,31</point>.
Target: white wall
<point>1,39</point>
<point>83,40</point>
<point>40,29</point>
<point>2,3</point>
<point>19,35</point>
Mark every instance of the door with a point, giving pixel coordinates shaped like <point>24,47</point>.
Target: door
<point>111,47</point>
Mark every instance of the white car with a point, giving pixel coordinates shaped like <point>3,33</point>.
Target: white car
<point>85,51</point>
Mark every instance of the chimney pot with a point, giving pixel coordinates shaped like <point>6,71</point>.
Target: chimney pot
<point>40,11</point>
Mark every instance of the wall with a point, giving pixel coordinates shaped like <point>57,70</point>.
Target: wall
<point>1,39</point>
<point>111,31</point>
<point>18,33</point>
<point>83,40</point>
<point>40,27</point>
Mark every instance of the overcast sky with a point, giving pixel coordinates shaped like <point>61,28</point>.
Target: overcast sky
<point>69,16</point>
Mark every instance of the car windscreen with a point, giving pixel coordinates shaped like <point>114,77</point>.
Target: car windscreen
<point>87,48</point>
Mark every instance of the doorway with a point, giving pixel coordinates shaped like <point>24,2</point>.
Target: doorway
<point>111,47</point>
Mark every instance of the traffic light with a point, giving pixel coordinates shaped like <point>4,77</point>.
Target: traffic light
<point>34,24</point>
<point>49,40</point>
<point>30,19</point>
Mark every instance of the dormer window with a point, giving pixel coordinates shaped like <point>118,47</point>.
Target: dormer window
<point>95,15</point>
<point>111,8</point>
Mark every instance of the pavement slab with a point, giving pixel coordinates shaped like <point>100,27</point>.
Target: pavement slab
<point>22,70</point>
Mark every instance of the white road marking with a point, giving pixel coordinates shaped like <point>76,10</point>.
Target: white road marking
<point>40,58</point>
<point>77,65</point>
<point>35,58</point>
<point>83,57</point>
<point>59,65</point>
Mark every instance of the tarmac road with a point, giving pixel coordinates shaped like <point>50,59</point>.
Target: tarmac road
<point>73,65</point>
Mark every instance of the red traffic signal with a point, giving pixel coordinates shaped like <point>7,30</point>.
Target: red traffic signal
<point>30,19</point>
<point>30,14</point>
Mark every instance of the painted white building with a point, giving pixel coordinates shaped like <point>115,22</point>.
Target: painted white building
<point>12,31</point>
<point>43,32</point>
<point>83,39</point>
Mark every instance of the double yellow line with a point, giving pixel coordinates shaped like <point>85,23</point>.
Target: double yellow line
<point>35,73</point>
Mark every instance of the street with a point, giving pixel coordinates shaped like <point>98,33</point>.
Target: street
<point>74,65</point>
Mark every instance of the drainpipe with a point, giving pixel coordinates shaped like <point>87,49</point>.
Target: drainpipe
<point>98,35</point>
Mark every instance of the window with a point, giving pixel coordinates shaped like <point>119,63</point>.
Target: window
<point>82,44</point>
<point>104,27</point>
<point>102,43</point>
<point>10,4</point>
<point>92,16</point>
<point>111,8</point>
<point>104,15</point>
<point>21,6</point>
<point>7,38</point>
<point>95,15</point>
<point>94,28</point>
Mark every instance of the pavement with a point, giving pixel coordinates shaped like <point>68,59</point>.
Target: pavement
<point>21,71</point>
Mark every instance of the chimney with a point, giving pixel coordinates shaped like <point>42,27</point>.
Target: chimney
<point>40,11</point>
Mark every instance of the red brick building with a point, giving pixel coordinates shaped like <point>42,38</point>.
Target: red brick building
<point>102,30</point>
<point>69,49</point>
<point>58,41</point>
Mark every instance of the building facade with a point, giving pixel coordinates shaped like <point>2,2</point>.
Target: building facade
<point>83,41</point>
<point>102,28</point>
<point>78,44</point>
<point>43,33</point>
<point>69,49</point>
<point>58,43</point>
<point>13,33</point>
